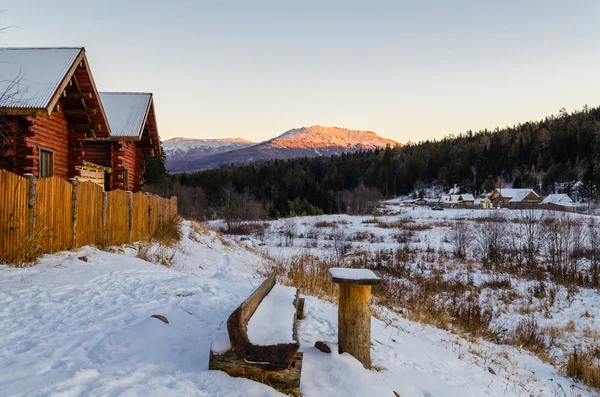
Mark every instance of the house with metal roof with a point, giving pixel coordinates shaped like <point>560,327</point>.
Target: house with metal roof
<point>514,197</point>
<point>457,200</point>
<point>559,199</point>
<point>51,113</point>
<point>134,136</point>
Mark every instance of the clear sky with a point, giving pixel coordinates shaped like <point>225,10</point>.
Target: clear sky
<point>408,70</point>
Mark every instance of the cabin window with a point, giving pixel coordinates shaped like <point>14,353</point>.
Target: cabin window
<point>126,179</point>
<point>46,163</point>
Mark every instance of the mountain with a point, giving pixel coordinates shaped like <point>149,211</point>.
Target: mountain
<point>183,151</point>
<point>312,141</point>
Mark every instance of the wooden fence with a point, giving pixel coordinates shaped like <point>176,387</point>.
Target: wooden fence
<point>50,214</point>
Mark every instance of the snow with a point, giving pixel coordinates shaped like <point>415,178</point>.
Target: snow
<point>76,328</point>
<point>126,112</point>
<point>352,274</point>
<point>176,146</point>
<point>273,320</point>
<point>29,77</point>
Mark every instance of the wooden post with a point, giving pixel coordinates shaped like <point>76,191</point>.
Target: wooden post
<point>130,213</point>
<point>75,184</point>
<point>354,311</point>
<point>104,215</point>
<point>149,214</point>
<point>31,203</point>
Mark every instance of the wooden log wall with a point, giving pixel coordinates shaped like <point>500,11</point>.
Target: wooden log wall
<point>50,132</point>
<point>88,228</point>
<point>140,217</point>
<point>54,218</point>
<point>51,214</point>
<point>116,230</point>
<point>14,214</point>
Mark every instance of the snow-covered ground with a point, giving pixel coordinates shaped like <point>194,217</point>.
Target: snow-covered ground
<point>78,324</point>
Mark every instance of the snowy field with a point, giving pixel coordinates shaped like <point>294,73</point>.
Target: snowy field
<point>78,324</point>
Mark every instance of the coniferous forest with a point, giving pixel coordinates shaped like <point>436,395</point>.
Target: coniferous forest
<point>548,155</point>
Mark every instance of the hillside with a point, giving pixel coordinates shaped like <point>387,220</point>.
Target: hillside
<point>189,155</point>
<point>78,323</point>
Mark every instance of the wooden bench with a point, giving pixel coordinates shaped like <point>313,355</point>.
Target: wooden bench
<point>279,363</point>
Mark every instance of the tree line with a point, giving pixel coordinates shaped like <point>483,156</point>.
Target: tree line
<point>549,155</point>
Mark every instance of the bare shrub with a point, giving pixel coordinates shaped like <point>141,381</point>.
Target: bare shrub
<point>340,244</point>
<point>594,253</point>
<point>361,200</point>
<point>497,282</point>
<point>169,232</point>
<point>460,238</point>
<point>490,238</point>
<point>288,232</point>
<point>529,235</point>
<point>530,336</point>
<point>325,224</point>
<point>192,202</point>
<point>585,366</point>
<point>237,209</point>
<point>312,237</point>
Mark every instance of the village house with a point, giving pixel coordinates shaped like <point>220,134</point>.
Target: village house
<point>457,200</point>
<point>48,103</point>
<point>517,198</point>
<point>54,122</point>
<point>133,137</point>
<point>559,199</point>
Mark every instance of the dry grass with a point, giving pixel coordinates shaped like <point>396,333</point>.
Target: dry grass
<point>169,233</point>
<point>530,336</point>
<point>329,224</point>
<point>26,252</point>
<point>159,254</point>
<point>162,247</point>
<point>585,366</point>
<point>308,273</point>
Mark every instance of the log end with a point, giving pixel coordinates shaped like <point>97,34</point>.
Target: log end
<point>233,366</point>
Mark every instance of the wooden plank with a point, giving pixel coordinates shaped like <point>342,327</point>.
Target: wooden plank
<point>117,218</point>
<point>78,95</point>
<point>79,112</point>
<point>140,217</point>
<point>13,216</point>
<point>89,214</point>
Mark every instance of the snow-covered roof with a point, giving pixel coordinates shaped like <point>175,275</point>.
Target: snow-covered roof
<point>467,197</point>
<point>519,195</point>
<point>31,77</point>
<point>510,192</point>
<point>559,198</point>
<point>126,112</point>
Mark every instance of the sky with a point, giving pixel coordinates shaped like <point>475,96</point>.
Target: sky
<point>408,70</point>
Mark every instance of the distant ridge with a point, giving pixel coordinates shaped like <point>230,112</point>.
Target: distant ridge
<point>186,154</point>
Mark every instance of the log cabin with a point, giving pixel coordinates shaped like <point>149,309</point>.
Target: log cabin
<point>48,104</point>
<point>514,198</point>
<point>54,122</point>
<point>134,136</point>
